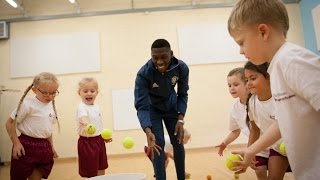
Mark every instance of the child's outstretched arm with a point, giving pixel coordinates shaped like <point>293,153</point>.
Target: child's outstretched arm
<point>233,135</point>
<point>83,121</point>
<point>266,140</point>
<point>17,149</point>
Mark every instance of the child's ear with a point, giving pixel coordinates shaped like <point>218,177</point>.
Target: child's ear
<point>264,30</point>
<point>34,89</point>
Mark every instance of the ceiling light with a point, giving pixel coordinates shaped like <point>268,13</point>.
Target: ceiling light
<point>12,3</point>
<point>72,1</point>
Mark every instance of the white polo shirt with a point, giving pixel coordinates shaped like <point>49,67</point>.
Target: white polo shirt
<point>295,86</point>
<point>94,115</point>
<point>263,113</point>
<point>238,116</point>
<point>35,118</point>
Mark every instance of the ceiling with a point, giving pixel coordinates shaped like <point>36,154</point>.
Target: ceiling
<point>30,10</point>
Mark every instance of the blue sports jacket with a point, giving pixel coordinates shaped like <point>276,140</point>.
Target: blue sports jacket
<point>156,90</point>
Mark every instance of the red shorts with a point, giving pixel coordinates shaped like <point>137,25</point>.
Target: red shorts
<point>92,156</point>
<point>261,161</point>
<point>275,153</point>
<point>38,155</point>
<point>149,155</point>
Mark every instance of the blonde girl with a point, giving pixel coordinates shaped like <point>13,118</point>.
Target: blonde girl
<point>91,147</point>
<point>33,151</point>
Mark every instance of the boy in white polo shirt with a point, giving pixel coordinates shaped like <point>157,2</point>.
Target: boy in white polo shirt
<point>260,28</point>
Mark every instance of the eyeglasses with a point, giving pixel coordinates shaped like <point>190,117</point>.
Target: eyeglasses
<point>49,93</point>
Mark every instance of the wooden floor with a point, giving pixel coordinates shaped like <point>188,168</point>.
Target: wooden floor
<point>199,163</point>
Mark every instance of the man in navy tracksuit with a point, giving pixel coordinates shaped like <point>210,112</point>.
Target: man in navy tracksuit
<point>157,102</point>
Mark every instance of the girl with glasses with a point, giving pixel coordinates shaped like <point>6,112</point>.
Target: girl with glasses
<point>33,151</point>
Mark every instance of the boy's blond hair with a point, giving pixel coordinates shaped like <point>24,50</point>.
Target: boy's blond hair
<point>254,12</point>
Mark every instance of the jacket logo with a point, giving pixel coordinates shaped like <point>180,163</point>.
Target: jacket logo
<point>155,85</point>
<point>174,80</point>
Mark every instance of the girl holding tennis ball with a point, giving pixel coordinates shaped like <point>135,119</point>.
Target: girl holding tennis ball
<point>237,122</point>
<point>261,112</point>
<point>91,146</point>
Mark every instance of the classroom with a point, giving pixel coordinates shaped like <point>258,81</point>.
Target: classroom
<point>110,40</point>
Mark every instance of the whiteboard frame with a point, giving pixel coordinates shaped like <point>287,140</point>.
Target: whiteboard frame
<point>207,43</point>
<point>58,54</point>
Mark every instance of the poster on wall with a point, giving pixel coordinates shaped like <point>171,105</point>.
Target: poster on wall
<point>206,44</point>
<point>124,113</point>
<point>316,24</point>
<point>59,54</point>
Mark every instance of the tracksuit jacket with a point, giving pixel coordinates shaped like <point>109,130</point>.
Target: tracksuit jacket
<point>154,90</point>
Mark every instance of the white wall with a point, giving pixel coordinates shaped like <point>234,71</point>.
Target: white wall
<point>125,42</point>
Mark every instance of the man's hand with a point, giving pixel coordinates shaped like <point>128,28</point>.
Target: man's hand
<point>152,146</point>
<point>179,131</point>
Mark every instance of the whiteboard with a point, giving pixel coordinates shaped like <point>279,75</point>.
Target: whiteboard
<point>207,43</point>
<point>124,112</point>
<point>59,54</point>
<point>316,24</point>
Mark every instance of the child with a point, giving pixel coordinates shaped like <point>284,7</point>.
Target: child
<point>260,28</point>
<point>261,110</point>
<point>168,149</point>
<point>33,151</point>
<point>238,115</point>
<point>91,148</point>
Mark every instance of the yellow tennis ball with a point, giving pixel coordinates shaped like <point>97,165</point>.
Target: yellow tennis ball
<point>106,133</point>
<point>231,159</point>
<point>283,149</point>
<point>128,142</point>
<point>90,129</point>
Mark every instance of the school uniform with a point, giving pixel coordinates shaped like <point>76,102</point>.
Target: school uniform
<point>295,85</point>
<point>238,116</point>
<point>92,155</point>
<point>35,121</point>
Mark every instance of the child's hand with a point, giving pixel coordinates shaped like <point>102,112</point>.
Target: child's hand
<point>55,154</point>
<point>108,140</point>
<point>241,166</point>
<point>18,150</point>
<point>221,147</point>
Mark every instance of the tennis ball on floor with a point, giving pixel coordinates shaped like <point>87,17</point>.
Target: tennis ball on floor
<point>283,149</point>
<point>90,129</point>
<point>209,177</point>
<point>236,176</point>
<point>128,142</point>
<point>231,159</point>
<point>106,133</point>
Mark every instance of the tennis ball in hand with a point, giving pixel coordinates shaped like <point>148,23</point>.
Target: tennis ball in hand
<point>128,142</point>
<point>283,149</point>
<point>90,129</point>
<point>231,159</point>
<point>106,133</point>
